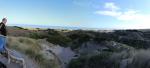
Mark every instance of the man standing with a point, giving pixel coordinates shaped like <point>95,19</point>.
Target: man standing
<point>3,35</point>
<point>3,30</point>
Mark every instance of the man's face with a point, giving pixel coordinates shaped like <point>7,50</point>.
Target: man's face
<point>4,21</point>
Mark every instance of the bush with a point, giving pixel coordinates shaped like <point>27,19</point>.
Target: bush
<point>97,61</point>
<point>81,37</point>
<point>59,39</point>
<point>18,27</point>
<point>75,45</point>
<point>104,37</point>
<point>139,44</point>
<point>37,36</point>
<point>77,63</point>
<point>38,58</point>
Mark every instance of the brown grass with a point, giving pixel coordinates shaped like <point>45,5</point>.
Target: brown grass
<point>31,48</point>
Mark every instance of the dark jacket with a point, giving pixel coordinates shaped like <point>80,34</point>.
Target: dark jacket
<point>3,30</point>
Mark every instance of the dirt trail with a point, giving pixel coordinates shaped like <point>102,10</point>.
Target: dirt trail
<point>29,62</point>
<point>62,55</point>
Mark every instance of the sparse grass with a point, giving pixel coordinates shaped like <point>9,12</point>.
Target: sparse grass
<point>38,57</point>
<point>31,48</point>
<point>52,36</point>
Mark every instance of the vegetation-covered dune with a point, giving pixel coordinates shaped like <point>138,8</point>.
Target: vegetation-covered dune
<point>33,49</point>
<point>89,49</point>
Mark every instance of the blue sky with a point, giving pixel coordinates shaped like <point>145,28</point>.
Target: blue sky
<point>122,14</point>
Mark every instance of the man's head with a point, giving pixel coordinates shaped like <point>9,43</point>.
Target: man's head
<point>4,20</point>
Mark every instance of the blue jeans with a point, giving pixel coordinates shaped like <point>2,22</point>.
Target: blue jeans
<point>2,43</point>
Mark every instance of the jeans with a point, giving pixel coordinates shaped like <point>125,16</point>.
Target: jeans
<point>2,43</point>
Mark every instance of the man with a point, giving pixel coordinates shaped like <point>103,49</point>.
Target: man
<point>3,49</point>
<point>3,30</point>
<point>3,35</point>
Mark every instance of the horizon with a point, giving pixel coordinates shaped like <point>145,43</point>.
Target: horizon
<point>100,14</point>
<point>69,28</point>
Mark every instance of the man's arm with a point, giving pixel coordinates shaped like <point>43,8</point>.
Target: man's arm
<point>1,25</point>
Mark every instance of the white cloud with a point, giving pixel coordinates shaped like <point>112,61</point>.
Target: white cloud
<point>142,20</point>
<point>109,13</point>
<point>128,15</point>
<point>111,6</point>
<point>110,10</point>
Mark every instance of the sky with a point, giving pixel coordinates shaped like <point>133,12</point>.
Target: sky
<point>106,14</point>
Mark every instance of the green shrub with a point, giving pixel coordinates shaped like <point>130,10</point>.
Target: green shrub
<point>30,52</point>
<point>77,63</point>
<point>38,58</point>
<point>37,36</point>
<point>139,44</point>
<point>100,61</point>
<point>97,61</point>
<point>59,39</point>
<point>18,27</point>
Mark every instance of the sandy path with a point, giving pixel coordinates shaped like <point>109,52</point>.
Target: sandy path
<point>29,62</point>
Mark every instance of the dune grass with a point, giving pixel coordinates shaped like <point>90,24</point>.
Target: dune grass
<point>32,49</point>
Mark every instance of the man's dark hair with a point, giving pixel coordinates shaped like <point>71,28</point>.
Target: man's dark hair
<point>4,19</point>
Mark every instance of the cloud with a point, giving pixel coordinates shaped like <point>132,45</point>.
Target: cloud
<point>111,9</point>
<point>111,6</point>
<point>128,15</point>
<point>114,11</point>
<point>108,13</point>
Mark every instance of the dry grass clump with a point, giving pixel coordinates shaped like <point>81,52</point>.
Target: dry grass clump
<point>31,48</point>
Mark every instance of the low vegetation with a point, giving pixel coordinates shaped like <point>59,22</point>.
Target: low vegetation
<point>52,36</point>
<point>97,61</point>
<point>31,48</point>
<point>125,48</point>
<point>128,59</point>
